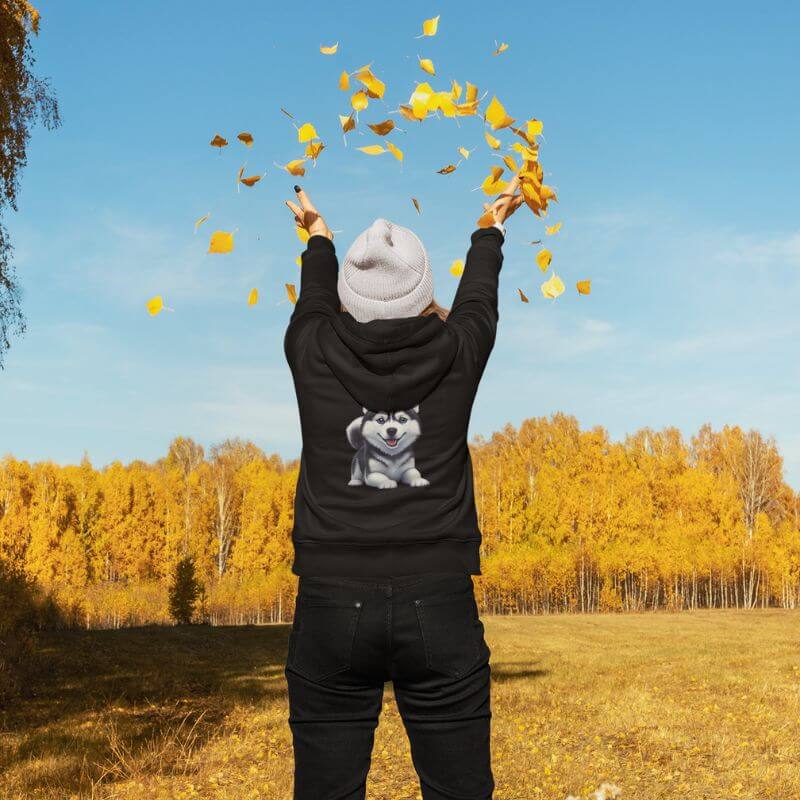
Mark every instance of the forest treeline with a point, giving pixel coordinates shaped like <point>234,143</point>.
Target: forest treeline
<point>571,522</point>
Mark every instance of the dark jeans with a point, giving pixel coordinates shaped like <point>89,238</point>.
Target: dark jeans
<point>350,636</point>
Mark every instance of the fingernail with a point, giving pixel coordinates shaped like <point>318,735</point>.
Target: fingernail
<point>296,188</point>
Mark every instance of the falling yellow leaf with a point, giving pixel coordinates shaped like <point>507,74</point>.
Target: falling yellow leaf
<point>430,26</point>
<point>523,296</point>
<point>348,123</point>
<point>553,229</point>
<point>291,293</point>
<point>447,170</point>
<point>375,87</point>
<point>250,181</point>
<point>408,113</point>
<point>467,109</point>
<point>420,99</point>
<point>395,151</point>
<point>547,193</point>
<point>426,65</point>
<point>457,268</point>
<point>492,183</point>
<point>487,220</point>
<point>501,49</point>
<point>155,305</point>
<point>219,141</point>
<point>553,287</point>
<point>527,153</point>
<point>510,163</point>
<point>372,149</point>
<point>536,169</point>
<point>299,261</point>
<point>496,115</point>
<point>543,259</point>
<point>382,128</point>
<point>246,138</point>
<point>302,233</point>
<point>455,89</point>
<point>359,100</point>
<point>313,149</point>
<point>464,152</point>
<point>344,81</point>
<point>584,287</point>
<point>531,197</point>
<point>252,298</point>
<point>306,132</point>
<point>329,50</point>
<point>296,167</point>
<point>493,142</point>
<point>535,127</point>
<point>221,242</point>
<point>442,101</point>
<point>416,205</point>
<point>472,93</point>
<point>200,221</point>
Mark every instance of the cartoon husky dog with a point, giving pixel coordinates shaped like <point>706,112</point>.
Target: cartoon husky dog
<point>383,441</point>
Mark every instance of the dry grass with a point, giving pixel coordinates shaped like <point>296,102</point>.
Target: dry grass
<point>690,706</point>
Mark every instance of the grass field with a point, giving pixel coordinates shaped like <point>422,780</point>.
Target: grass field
<point>692,705</point>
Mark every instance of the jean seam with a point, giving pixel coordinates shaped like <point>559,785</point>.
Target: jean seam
<point>421,618</point>
<point>380,582</point>
<point>389,637</point>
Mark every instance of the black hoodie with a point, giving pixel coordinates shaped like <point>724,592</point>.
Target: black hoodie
<point>385,484</point>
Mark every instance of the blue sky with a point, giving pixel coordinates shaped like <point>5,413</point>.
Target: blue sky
<point>671,136</point>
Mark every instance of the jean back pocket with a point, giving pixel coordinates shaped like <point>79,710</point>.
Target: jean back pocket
<point>451,631</point>
<point>321,642</point>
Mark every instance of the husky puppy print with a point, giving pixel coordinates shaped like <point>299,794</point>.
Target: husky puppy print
<point>384,444</point>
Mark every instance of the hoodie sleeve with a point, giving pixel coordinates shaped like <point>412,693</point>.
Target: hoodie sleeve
<point>318,295</point>
<point>474,310</point>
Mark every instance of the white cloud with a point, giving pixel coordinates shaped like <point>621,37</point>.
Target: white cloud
<point>731,339</point>
<point>126,261</point>
<point>597,326</point>
<point>761,251</point>
<point>543,336</point>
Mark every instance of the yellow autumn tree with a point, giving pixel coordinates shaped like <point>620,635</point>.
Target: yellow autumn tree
<point>572,521</point>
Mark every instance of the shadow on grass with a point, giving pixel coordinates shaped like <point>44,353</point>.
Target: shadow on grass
<point>134,699</point>
<point>507,671</point>
<point>116,704</point>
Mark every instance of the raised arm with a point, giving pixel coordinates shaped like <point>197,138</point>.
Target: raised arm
<point>318,275</point>
<point>474,310</point>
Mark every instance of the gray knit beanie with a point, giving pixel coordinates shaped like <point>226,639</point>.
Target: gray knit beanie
<point>385,274</point>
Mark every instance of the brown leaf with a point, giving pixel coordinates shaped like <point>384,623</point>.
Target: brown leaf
<point>408,113</point>
<point>382,128</point>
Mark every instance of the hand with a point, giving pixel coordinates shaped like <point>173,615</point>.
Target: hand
<point>506,203</point>
<point>306,216</point>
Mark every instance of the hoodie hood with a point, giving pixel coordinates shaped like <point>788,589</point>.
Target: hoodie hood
<point>388,364</point>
